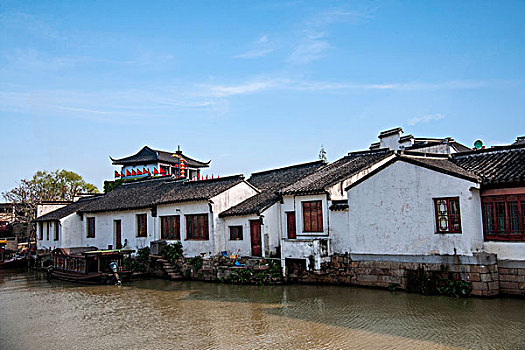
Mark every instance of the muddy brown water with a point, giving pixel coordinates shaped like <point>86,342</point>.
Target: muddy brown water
<point>158,314</point>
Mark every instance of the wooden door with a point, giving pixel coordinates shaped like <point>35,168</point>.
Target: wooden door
<point>290,224</point>
<point>118,235</point>
<point>255,234</point>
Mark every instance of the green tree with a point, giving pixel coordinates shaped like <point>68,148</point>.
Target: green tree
<point>58,185</point>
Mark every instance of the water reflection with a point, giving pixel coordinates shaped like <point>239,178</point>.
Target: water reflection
<point>157,314</point>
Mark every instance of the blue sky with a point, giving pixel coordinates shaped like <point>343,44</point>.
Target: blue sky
<point>250,85</point>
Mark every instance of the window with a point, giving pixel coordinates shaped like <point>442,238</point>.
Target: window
<point>290,225</point>
<point>235,233</point>
<point>313,216</point>
<point>504,218</point>
<point>47,230</point>
<point>448,218</point>
<point>41,229</point>
<point>197,226</point>
<point>90,227</point>
<point>170,227</point>
<point>57,223</point>
<point>142,225</point>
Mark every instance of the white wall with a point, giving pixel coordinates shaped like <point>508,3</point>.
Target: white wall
<point>338,192</point>
<point>105,227</point>
<point>270,232</point>
<point>48,230</point>
<point>223,201</point>
<point>242,247</point>
<point>294,203</point>
<point>190,247</point>
<point>43,209</point>
<point>506,250</point>
<point>339,230</point>
<point>393,212</point>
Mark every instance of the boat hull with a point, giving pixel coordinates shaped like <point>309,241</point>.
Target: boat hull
<point>87,278</point>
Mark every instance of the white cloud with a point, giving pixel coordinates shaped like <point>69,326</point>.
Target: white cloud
<point>262,47</point>
<point>247,88</point>
<point>119,104</point>
<point>312,47</point>
<point>425,119</point>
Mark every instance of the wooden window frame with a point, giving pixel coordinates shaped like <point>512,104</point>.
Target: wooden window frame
<point>492,230</point>
<point>170,227</point>
<point>57,224</point>
<point>199,223</point>
<point>291,230</point>
<point>236,233</point>
<point>90,227</point>
<point>449,216</point>
<point>308,222</point>
<point>142,225</point>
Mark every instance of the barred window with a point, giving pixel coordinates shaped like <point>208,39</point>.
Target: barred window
<point>504,218</point>
<point>448,218</point>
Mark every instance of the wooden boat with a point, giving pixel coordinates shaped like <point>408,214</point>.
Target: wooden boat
<point>9,263</point>
<point>89,265</point>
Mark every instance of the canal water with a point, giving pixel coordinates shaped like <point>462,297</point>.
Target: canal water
<point>158,314</point>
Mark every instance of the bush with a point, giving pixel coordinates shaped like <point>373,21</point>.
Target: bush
<point>141,260</point>
<point>196,263</point>
<point>455,288</point>
<point>171,252</point>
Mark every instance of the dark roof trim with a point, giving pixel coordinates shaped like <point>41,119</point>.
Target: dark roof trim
<point>192,200</point>
<point>405,138</point>
<point>487,150</point>
<point>255,212</point>
<point>369,151</point>
<point>390,132</point>
<point>288,167</point>
<point>339,205</point>
<point>413,162</point>
<point>424,154</point>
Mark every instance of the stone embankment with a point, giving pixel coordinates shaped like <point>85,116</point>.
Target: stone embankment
<point>219,269</point>
<point>480,275</point>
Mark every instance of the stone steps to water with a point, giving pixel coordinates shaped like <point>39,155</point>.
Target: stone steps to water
<point>175,276</point>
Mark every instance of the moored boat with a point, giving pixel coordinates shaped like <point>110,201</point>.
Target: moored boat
<point>90,265</point>
<point>9,262</point>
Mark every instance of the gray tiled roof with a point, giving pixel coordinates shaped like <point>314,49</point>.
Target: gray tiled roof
<point>339,170</point>
<point>503,165</point>
<point>270,182</point>
<point>66,210</point>
<point>442,164</point>
<point>437,162</point>
<point>148,155</point>
<point>148,193</point>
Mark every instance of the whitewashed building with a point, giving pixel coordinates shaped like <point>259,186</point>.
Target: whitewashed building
<point>253,227</point>
<point>135,214</point>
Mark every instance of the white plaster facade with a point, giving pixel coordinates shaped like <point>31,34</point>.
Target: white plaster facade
<point>392,212</point>
<point>270,232</point>
<point>73,228</point>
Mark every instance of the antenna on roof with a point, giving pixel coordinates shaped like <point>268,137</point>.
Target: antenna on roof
<point>322,153</point>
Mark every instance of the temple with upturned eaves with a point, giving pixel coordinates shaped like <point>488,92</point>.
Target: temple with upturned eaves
<point>150,162</point>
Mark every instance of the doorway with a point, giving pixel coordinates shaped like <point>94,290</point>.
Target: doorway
<point>118,234</point>
<point>255,234</point>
